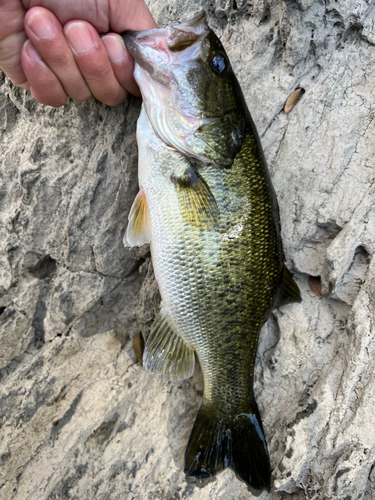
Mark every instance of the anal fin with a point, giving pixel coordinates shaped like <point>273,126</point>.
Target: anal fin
<point>138,231</point>
<point>166,355</point>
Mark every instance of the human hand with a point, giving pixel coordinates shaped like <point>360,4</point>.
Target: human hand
<point>55,51</point>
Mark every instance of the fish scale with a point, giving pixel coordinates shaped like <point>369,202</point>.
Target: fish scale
<point>208,209</point>
<point>200,284</point>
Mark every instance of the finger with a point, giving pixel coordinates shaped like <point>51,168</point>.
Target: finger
<point>44,84</point>
<point>12,37</point>
<point>93,62</point>
<point>47,37</point>
<point>122,62</point>
<point>131,15</point>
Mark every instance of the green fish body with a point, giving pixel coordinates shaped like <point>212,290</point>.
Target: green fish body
<point>208,209</point>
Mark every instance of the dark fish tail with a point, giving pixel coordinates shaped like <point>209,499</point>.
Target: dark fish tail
<point>218,441</point>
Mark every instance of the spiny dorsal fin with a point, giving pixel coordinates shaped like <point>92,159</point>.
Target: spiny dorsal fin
<point>138,231</point>
<point>166,355</point>
<point>289,290</point>
<point>197,203</point>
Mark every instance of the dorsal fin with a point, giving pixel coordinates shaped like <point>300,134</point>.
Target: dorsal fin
<point>166,355</point>
<point>289,290</point>
<point>138,231</point>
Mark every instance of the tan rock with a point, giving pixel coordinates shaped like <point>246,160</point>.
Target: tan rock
<point>79,418</point>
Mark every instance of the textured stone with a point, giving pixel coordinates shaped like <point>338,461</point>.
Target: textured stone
<point>79,418</point>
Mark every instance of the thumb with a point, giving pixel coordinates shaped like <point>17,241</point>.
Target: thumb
<point>12,37</point>
<point>130,15</point>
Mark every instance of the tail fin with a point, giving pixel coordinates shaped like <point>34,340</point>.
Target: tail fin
<point>218,441</point>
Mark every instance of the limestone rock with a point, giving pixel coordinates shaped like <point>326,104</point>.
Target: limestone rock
<point>79,418</point>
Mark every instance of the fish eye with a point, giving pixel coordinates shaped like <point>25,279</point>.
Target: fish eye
<point>219,63</point>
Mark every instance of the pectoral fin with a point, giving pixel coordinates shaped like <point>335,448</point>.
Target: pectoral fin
<point>166,355</point>
<point>138,231</point>
<point>196,201</point>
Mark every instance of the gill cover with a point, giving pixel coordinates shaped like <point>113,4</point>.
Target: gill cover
<point>191,95</point>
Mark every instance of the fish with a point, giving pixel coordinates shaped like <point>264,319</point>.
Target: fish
<point>208,209</point>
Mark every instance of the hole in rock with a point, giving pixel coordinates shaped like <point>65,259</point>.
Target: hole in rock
<point>352,32</point>
<point>266,16</point>
<point>44,268</point>
<point>351,282</point>
<point>362,251</point>
<point>292,5</point>
<point>327,230</point>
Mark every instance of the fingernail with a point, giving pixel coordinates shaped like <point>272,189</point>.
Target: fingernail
<point>32,54</point>
<point>115,47</point>
<point>41,25</point>
<point>79,37</point>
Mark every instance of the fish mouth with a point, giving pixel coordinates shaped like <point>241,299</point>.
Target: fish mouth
<point>192,25</point>
<point>165,60</point>
<point>154,48</point>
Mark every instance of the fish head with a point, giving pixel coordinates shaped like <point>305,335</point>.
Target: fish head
<point>192,98</point>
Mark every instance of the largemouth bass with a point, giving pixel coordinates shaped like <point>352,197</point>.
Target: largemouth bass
<point>207,207</point>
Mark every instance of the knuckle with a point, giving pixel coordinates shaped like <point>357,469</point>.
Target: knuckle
<point>59,59</point>
<point>48,95</point>
<point>59,103</point>
<point>82,96</point>
<point>115,100</point>
<point>55,53</point>
<point>54,102</point>
<point>96,74</point>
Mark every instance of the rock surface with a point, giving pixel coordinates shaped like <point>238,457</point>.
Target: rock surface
<point>79,418</point>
